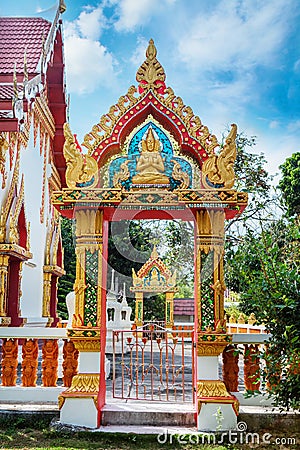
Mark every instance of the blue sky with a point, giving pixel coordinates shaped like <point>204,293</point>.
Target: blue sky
<point>230,60</point>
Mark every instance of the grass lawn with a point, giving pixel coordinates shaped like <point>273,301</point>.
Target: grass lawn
<point>17,434</point>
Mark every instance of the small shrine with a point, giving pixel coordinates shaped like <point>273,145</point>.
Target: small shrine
<point>118,316</point>
<point>154,277</point>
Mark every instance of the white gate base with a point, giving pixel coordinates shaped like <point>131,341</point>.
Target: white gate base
<point>216,417</point>
<point>79,412</point>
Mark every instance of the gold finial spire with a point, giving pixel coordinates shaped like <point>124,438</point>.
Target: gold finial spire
<point>62,6</point>
<point>154,254</point>
<point>151,74</point>
<point>25,66</point>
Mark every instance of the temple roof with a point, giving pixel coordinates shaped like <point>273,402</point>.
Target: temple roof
<point>19,36</point>
<point>184,306</point>
<point>32,68</point>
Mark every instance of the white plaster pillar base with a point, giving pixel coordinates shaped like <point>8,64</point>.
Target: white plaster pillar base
<point>217,408</point>
<point>78,403</point>
<point>208,417</point>
<point>80,412</point>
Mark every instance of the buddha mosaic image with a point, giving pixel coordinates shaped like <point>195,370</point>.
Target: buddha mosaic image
<point>150,168</point>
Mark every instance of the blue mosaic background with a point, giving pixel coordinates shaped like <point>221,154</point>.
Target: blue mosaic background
<point>134,153</point>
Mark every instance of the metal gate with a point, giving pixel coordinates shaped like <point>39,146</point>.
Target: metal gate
<point>153,363</point>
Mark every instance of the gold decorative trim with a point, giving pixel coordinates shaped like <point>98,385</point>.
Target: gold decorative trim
<point>54,180</point>
<point>4,261</point>
<point>84,383</point>
<point>192,198</point>
<point>46,294</point>
<point>87,345</point>
<point>179,175</point>
<point>4,145</point>
<point>61,400</point>
<point>214,391</point>
<point>212,344</point>
<point>11,193</point>
<point>15,250</point>
<point>55,270</point>
<point>212,388</point>
<point>44,115</point>
<point>5,321</point>
<point>85,339</point>
<point>13,234</point>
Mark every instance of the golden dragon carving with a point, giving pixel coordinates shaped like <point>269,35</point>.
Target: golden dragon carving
<point>82,170</point>
<point>179,175</point>
<point>217,170</point>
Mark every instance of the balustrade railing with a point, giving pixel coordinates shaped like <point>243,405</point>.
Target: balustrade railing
<point>35,358</point>
<point>37,363</point>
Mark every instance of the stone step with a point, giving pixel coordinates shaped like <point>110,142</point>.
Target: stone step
<point>150,414</point>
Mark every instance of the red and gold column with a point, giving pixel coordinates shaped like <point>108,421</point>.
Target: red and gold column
<point>78,403</point>
<point>215,403</point>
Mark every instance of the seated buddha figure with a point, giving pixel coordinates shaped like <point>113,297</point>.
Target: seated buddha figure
<point>150,165</point>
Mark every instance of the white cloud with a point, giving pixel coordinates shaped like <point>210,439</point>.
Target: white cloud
<point>235,35</point>
<point>91,22</point>
<point>277,148</point>
<point>294,126</point>
<point>133,13</point>
<point>88,63</point>
<point>139,54</point>
<point>274,124</point>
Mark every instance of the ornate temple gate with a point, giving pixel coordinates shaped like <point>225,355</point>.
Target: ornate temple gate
<point>150,157</point>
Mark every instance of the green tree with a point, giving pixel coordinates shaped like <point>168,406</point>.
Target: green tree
<point>66,282</point>
<point>129,246</point>
<point>290,184</point>
<point>265,269</point>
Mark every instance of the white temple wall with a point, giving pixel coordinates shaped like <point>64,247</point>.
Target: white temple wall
<point>31,166</point>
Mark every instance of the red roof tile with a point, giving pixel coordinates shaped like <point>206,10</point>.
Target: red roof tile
<point>184,306</point>
<point>7,90</point>
<point>18,34</point>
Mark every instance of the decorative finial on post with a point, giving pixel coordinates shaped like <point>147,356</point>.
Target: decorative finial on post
<point>112,285</point>
<point>25,79</point>
<point>62,6</point>
<point>151,74</point>
<point>154,254</point>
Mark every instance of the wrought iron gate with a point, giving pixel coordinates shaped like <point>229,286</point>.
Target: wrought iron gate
<point>153,363</point>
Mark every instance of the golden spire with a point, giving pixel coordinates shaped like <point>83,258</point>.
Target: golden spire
<point>62,7</point>
<point>151,74</point>
<point>154,254</point>
<point>25,70</point>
